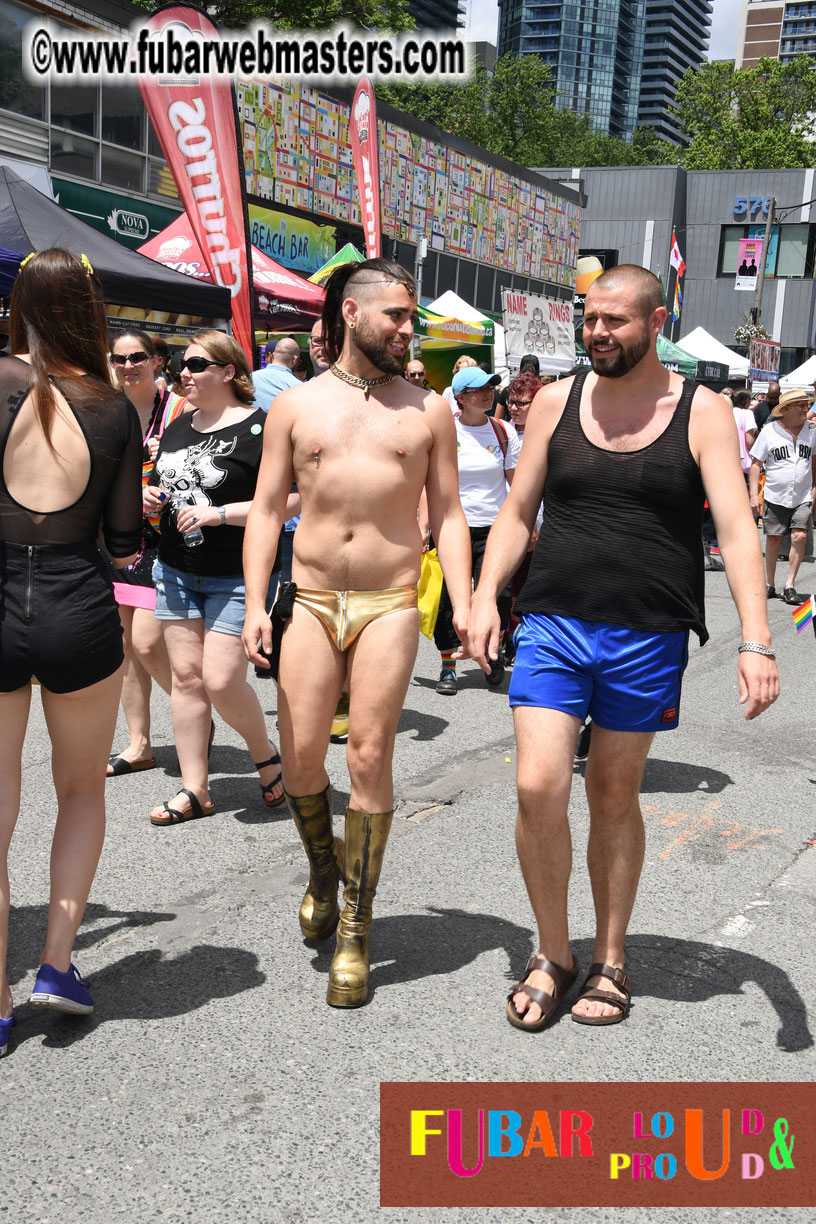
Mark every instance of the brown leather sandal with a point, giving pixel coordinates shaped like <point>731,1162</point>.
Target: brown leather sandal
<point>548,1003</point>
<point>594,994</point>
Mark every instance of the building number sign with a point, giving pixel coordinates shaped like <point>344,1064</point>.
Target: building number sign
<point>750,207</point>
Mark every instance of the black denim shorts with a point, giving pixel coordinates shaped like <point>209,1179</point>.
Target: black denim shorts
<point>58,617</point>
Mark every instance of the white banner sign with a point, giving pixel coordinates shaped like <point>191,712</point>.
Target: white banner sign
<point>541,326</point>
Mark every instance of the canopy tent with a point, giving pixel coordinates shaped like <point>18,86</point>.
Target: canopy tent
<point>450,327</point>
<point>29,221</point>
<point>9,267</point>
<point>702,369</point>
<point>346,254</point>
<point>704,346</point>
<point>283,301</point>
<point>451,320</point>
<point>673,358</point>
<point>803,376</point>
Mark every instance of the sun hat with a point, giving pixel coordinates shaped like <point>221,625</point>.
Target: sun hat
<point>791,397</point>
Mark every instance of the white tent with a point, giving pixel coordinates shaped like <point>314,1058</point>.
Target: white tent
<point>452,306</point>
<point>802,376</point>
<point>704,346</point>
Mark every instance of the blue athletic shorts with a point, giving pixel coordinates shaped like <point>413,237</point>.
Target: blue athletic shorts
<point>623,679</point>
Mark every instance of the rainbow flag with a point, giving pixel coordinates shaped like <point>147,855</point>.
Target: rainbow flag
<point>803,615</point>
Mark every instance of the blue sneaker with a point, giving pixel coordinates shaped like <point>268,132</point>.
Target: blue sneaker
<point>5,1030</point>
<point>62,992</point>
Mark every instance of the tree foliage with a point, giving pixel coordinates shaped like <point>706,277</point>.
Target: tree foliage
<point>305,14</point>
<point>748,118</point>
<point>512,113</point>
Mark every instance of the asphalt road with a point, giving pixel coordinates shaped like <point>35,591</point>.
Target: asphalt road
<point>213,1082</point>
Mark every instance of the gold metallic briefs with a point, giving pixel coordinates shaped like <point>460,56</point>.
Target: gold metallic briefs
<point>346,613</point>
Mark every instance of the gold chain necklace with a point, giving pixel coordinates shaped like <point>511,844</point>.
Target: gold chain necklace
<point>364,383</point>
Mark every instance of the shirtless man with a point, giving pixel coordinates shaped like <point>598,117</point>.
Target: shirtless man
<point>361,444</point>
<point>623,455</point>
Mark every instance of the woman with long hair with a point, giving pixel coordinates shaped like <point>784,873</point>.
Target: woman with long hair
<point>70,457</point>
<point>204,482</point>
<point>136,364</point>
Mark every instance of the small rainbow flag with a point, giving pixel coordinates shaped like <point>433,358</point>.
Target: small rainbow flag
<point>803,615</point>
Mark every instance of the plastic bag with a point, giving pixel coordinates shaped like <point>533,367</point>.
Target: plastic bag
<point>429,592</point>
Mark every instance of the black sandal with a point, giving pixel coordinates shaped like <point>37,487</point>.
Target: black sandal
<point>175,816</point>
<point>270,786</point>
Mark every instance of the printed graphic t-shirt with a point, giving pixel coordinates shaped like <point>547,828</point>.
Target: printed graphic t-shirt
<point>482,484</point>
<point>788,475</point>
<point>214,469</point>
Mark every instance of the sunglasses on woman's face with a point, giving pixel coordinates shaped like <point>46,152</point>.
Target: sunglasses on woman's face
<point>121,359</point>
<point>197,365</point>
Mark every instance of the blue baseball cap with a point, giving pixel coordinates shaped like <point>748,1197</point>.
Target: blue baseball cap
<point>472,378</point>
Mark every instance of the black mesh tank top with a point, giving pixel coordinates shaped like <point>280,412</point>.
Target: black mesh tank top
<point>621,539</point>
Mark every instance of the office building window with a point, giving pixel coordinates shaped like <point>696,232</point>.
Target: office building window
<point>16,94</point>
<point>790,253</point>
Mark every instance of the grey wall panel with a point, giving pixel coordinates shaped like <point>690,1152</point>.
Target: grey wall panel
<point>621,201</point>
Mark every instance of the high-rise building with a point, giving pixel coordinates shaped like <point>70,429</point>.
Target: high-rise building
<point>781,29</point>
<point>760,27</point>
<point>619,61</point>
<point>798,36</point>
<point>594,47</point>
<point>437,14</point>
<point>676,39</point>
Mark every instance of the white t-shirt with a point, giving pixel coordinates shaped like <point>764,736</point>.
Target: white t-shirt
<point>744,420</point>
<point>788,469</point>
<point>482,486</point>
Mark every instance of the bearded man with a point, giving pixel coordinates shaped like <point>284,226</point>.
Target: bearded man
<point>623,455</point>
<point>362,443</point>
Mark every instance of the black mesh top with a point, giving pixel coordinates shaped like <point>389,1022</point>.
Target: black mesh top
<point>621,540</point>
<point>113,494</point>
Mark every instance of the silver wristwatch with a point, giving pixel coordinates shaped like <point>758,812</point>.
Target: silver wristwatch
<point>222,510</point>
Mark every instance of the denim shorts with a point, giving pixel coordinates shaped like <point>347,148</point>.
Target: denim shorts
<point>624,679</point>
<point>218,600</point>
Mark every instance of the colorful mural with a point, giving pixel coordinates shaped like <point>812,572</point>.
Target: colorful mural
<point>297,153</point>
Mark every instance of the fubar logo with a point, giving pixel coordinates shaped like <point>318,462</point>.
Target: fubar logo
<point>596,1144</point>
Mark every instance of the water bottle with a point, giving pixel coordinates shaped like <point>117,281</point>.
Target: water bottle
<point>190,539</point>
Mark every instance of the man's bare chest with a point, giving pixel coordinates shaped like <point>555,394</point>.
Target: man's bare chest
<point>357,437</point>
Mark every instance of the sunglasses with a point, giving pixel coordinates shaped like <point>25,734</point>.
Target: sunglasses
<point>197,365</point>
<point>121,359</point>
<point>416,373</point>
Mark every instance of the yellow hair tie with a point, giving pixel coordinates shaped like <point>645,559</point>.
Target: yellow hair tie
<point>86,263</point>
<point>30,255</point>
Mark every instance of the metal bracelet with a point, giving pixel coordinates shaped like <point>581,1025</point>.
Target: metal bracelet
<point>222,510</point>
<point>756,648</point>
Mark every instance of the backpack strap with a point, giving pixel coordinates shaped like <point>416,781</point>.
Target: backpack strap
<point>500,430</point>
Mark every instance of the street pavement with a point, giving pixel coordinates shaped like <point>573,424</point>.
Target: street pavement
<point>213,1082</point>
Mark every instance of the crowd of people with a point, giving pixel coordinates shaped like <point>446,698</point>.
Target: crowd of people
<point>252,516</point>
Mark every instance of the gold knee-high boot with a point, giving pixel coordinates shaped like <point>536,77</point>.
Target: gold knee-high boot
<point>366,837</point>
<point>319,911</point>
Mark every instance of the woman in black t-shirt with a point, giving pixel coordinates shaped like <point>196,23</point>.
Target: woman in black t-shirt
<point>202,484</point>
